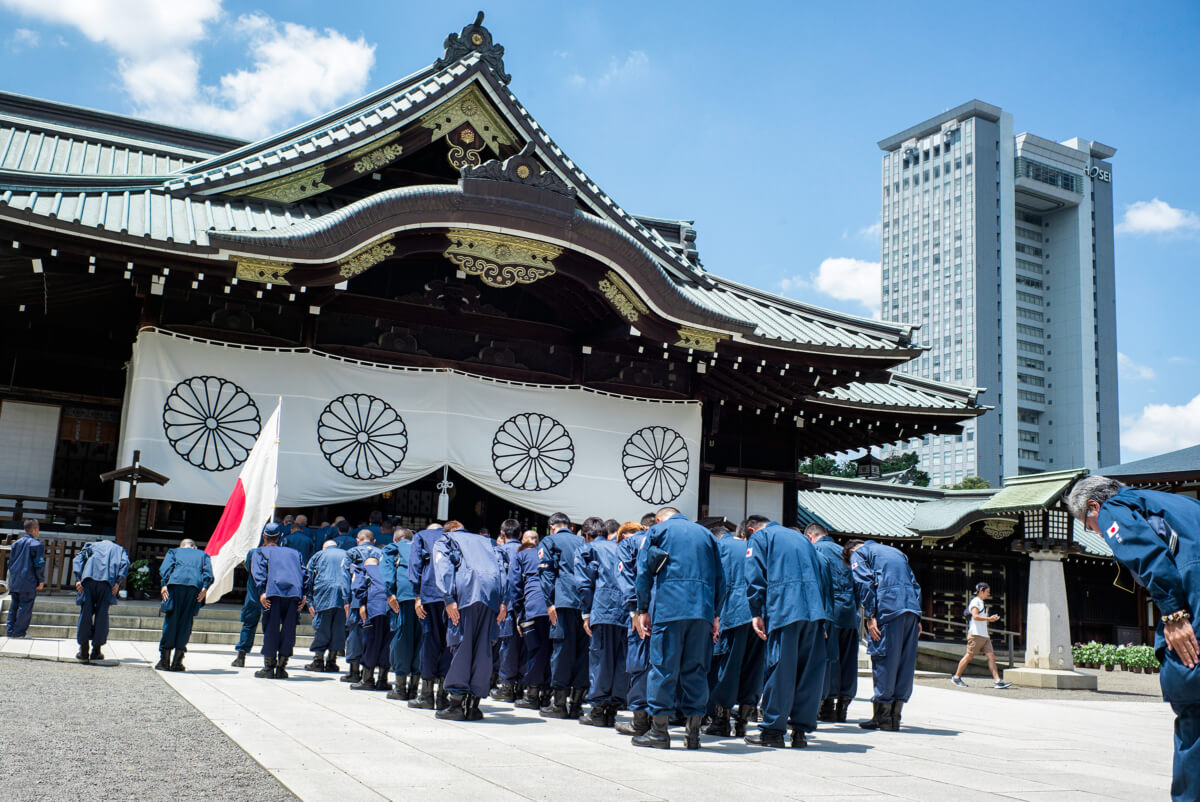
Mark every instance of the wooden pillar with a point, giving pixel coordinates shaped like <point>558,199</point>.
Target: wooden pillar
<point>128,512</point>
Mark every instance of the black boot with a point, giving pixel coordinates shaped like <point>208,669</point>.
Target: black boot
<point>318,662</point>
<point>507,692</point>
<point>639,725</point>
<point>279,668</point>
<point>596,717</point>
<point>610,714</point>
<point>268,669</point>
<point>692,734</point>
<point>771,738</point>
<point>239,661</point>
<point>414,683</point>
<point>177,663</point>
<point>893,722</point>
<point>96,653</point>
<point>455,710</point>
<point>677,719</point>
<point>441,698</point>
<point>740,719</point>
<point>531,700</point>
<point>719,725</point>
<point>826,713</point>
<point>424,700</point>
<point>557,708</point>
<point>366,682</point>
<point>82,654</point>
<point>164,660</point>
<point>473,713</point>
<point>354,674</point>
<point>399,691</point>
<point>381,683</point>
<point>840,708</point>
<point>799,739</point>
<point>657,736</point>
<point>882,712</point>
<point>331,666</point>
<point>575,703</point>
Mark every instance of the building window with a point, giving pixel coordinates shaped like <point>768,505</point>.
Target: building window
<point>1048,175</point>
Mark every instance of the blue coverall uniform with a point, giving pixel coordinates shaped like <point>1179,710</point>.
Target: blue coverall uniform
<point>680,562</point>
<point>251,609</point>
<point>354,634</point>
<point>560,586</point>
<point>184,573</point>
<point>787,585</point>
<point>99,566</point>
<point>299,540</point>
<point>886,589</point>
<point>327,587</point>
<point>26,570</point>
<point>469,570</point>
<point>529,608</point>
<point>405,648</point>
<point>1157,537</point>
<point>600,592</point>
<point>368,591</point>
<point>637,648</point>
<point>736,675</point>
<point>277,571</point>
<point>841,675</point>
<point>511,644</point>
<point>435,657</point>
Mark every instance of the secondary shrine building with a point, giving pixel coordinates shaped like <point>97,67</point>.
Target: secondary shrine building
<point>428,288</point>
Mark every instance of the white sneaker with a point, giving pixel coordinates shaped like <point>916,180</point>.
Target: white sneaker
<point>958,681</point>
<point>1001,684</point>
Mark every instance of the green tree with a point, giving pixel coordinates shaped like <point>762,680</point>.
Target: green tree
<point>901,462</point>
<point>827,466</point>
<point>970,483</point>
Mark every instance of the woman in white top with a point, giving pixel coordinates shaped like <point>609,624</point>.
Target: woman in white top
<point>978,639</point>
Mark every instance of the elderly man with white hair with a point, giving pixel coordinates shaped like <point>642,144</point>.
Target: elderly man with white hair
<point>186,574</point>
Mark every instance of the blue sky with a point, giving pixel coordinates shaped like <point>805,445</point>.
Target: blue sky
<point>758,119</point>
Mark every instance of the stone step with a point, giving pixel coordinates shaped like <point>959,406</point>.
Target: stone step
<point>116,620</point>
<point>116,633</point>
<point>142,609</point>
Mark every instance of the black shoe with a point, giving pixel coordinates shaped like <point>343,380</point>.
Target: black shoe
<point>610,714</point>
<point>692,734</point>
<point>882,712</point>
<point>595,717</point>
<point>381,683</point>
<point>268,669</point>
<point>97,654</point>
<point>840,708</point>
<point>414,682</point>
<point>506,692</point>
<point>893,718</point>
<point>719,725</point>
<point>455,710</point>
<point>239,661</point>
<point>575,702</point>
<point>366,682</point>
<point>164,660</point>
<point>177,663</point>
<point>557,708</point>
<point>424,699</point>
<point>639,725</point>
<point>656,737</point>
<point>331,666</point>
<point>354,674</point>
<point>399,690</point>
<point>473,713</point>
<point>827,712</point>
<point>771,738</point>
<point>531,700</point>
<point>799,739</point>
<point>741,718</point>
<point>82,655</point>
<point>279,668</point>
<point>441,697</point>
<point>318,662</point>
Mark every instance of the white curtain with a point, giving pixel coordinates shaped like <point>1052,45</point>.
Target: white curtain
<point>352,429</point>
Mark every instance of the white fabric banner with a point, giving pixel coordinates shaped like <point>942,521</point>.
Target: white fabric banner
<point>352,429</point>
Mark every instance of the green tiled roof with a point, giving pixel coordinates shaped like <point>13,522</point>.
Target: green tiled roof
<point>1029,492</point>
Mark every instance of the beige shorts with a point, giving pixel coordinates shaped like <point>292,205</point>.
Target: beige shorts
<point>977,644</point>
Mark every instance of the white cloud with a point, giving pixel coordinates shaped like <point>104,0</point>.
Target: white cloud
<point>1160,428</point>
<point>842,278</point>
<point>870,232</point>
<point>635,66</point>
<point>1157,217</point>
<point>1132,370</point>
<point>23,39</point>
<point>295,71</point>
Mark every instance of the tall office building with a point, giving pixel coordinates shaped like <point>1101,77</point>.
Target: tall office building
<point>1000,248</point>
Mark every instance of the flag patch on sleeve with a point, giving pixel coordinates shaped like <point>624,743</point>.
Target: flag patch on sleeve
<point>749,551</point>
<point>620,566</point>
<point>1113,530</point>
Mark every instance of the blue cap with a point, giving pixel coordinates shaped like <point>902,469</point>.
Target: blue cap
<point>273,529</point>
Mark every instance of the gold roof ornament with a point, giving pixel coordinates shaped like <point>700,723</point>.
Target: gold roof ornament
<point>699,339</point>
<point>263,271</point>
<point>501,260</point>
<point>365,258</point>
<point>623,299</point>
<point>289,188</point>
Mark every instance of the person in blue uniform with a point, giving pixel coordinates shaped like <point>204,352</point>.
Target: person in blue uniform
<point>405,649</point>
<point>186,575</point>
<point>679,564</point>
<point>569,650</point>
<point>327,588</point>
<point>1156,536</point>
<point>375,527</point>
<point>364,547</point>
<point>279,576</point>
<point>532,623</point>
<point>296,537</point>
<point>787,590</point>
<point>510,651</point>
<point>736,676</point>
<point>841,645</point>
<point>345,541</point>
<point>887,591</point>
<point>99,569</point>
<point>369,605</point>
<point>630,538</point>
<point>251,609</point>
<point>605,622</point>
<point>430,608</point>
<point>26,576</point>
<point>469,570</point>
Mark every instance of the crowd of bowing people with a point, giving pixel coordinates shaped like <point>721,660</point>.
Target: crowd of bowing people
<point>681,625</point>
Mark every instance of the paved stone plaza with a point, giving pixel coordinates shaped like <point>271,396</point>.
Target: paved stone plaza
<point>324,741</point>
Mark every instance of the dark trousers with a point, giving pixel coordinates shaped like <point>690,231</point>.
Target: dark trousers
<point>841,662</point>
<point>377,640</point>
<point>93,613</point>
<point>354,636</point>
<point>795,676</point>
<point>607,678</point>
<point>1185,782</point>
<point>20,612</point>
<point>736,674</point>
<point>279,626</point>
<point>894,659</point>
<point>251,613</point>
<point>435,657</point>
<point>637,667</point>
<point>569,653</point>
<point>177,622</point>
<point>512,655</point>
<point>405,650</point>
<point>535,670</point>
<point>329,630</point>
<point>471,664</point>
<point>680,652</point>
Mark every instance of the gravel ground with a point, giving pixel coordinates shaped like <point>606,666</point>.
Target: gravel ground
<point>1115,686</point>
<point>80,732</point>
